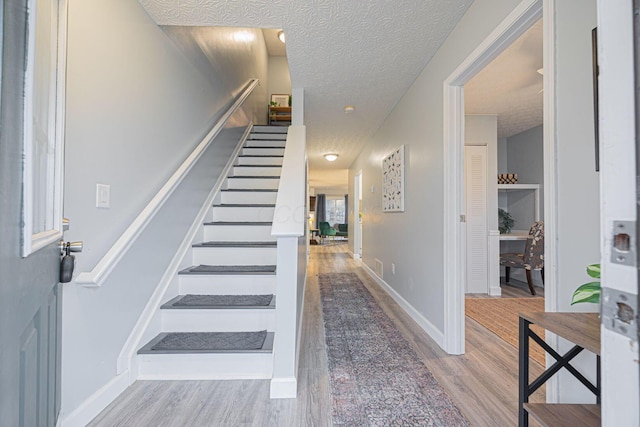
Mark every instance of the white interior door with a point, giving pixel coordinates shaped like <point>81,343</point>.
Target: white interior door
<point>475,161</point>
<point>618,118</point>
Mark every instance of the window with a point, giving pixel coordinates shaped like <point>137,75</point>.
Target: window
<point>335,210</point>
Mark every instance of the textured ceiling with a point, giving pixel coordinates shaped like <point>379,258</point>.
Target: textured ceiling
<point>510,86</point>
<point>362,53</point>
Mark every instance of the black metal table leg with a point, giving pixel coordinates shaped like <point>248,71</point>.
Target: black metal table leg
<point>523,372</point>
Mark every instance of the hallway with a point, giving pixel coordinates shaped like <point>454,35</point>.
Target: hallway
<point>482,383</point>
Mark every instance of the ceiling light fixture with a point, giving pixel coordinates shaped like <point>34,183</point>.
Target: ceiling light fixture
<point>349,109</point>
<point>331,157</point>
<point>281,36</point>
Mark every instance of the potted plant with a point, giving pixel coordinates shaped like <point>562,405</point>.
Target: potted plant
<point>589,292</point>
<point>505,221</point>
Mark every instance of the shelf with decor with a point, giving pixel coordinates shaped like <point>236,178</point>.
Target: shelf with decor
<point>535,189</point>
<point>279,115</point>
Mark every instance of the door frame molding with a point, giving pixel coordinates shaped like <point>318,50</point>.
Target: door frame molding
<point>513,26</point>
<point>35,241</point>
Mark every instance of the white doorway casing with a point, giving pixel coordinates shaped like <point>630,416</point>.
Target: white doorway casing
<point>357,221</point>
<point>620,376</point>
<point>512,27</point>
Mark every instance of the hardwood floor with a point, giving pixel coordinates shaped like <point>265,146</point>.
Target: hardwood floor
<point>483,382</point>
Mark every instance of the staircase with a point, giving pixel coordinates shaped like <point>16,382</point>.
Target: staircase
<point>221,325</point>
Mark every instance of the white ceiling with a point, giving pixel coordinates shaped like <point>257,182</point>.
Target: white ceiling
<point>510,86</point>
<point>362,53</point>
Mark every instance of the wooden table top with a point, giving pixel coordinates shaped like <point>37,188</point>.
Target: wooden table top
<point>582,329</point>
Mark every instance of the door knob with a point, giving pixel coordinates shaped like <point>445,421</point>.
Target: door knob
<point>70,246</point>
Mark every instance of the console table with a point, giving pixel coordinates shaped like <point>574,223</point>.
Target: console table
<point>582,329</point>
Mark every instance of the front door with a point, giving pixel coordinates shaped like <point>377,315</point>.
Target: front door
<point>30,182</point>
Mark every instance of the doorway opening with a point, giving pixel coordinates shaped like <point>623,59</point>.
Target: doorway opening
<point>523,17</point>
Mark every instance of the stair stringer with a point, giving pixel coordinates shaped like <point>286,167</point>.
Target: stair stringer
<point>149,322</point>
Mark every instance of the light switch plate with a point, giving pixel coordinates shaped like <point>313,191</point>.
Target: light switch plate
<point>103,196</point>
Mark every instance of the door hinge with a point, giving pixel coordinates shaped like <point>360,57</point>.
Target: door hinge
<point>463,218</point>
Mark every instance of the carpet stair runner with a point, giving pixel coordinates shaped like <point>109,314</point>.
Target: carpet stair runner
<point>221,325</point>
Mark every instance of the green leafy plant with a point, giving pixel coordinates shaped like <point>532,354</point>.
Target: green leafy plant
<point>589,292</point>
<point>505,221</point>
<point>273,104</point>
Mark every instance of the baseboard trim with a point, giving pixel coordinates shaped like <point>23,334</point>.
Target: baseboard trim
<point>284,388</point>
<point>422,321</point>
<point>91,407</point>
<point>127,355</point>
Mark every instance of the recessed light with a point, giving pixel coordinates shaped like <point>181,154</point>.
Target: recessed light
<point>331,157</point>
<point>281,36</point>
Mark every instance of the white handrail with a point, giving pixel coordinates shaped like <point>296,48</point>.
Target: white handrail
<point>289,217</point>
<point>103,269</point>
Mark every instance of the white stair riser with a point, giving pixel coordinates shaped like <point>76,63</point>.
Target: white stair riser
<point>247,197</point>
<point>238,233</point>
<point>260,161</point>
<point>256,171</point>
<point>232,284</point>
<point>243,213</point>
<point>257,135</point>
<point>219,320</point>
<point>252,151</point>
<point>269,129</point>
<point>264,143</point>
<point>205,366</point>
<point>252,183</point>
<point>234,256</point>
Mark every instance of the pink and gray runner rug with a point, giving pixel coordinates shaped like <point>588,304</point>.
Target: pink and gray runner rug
<point>376,377</point>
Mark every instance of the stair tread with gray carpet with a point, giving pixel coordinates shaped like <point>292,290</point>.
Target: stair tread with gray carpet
<point>230,269</point>
<point>236,245</point>
<point>210,342</point>
<point>188,302</point>
<point>219,322</point>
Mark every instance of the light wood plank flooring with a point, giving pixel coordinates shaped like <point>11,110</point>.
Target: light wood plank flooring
<point>483,382</point>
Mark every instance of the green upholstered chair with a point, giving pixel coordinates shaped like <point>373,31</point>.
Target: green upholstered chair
<point>326,230</point>
<point>342,230</point>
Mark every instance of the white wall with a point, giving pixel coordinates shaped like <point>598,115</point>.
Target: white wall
<point>279,78</point>
<point>413,240</point>
<point>578,183</point>
<point>136,107</point>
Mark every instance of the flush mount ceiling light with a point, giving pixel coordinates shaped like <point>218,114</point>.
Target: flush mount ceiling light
<point>331,157</point>
<point>281,36</point>
<point>349,109</point>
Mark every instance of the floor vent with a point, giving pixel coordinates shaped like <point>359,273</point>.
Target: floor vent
<point>379,268</point>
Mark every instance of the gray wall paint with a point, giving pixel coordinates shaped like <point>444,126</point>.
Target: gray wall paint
<point>413,240</point>
<point>136,107</point>
<point>279,78</point>
<point>525,157</point>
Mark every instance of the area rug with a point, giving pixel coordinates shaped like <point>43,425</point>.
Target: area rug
<point>500,316</point>
<point>376,377</point>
